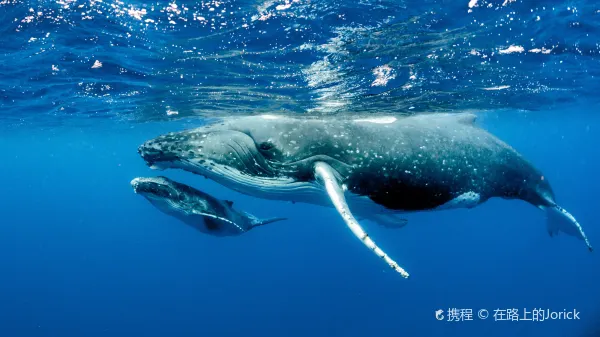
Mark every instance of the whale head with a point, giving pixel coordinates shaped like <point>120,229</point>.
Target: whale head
<point>265,156</point>
<point>157,189</point>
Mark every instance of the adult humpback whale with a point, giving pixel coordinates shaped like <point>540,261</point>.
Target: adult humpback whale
<point>368,168</point>
<point>200,210</point>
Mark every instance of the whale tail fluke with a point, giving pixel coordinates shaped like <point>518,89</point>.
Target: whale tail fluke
<point>559,220</point>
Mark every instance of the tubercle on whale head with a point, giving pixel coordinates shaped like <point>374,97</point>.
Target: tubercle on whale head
<point>206,151</point>
<point>254,156</point>
<point>158,150</point>
<point>153,187</point>
<point>271,157</point>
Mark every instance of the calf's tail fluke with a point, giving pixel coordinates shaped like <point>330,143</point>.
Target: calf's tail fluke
<point>259,222</point>
<point>559,220</point>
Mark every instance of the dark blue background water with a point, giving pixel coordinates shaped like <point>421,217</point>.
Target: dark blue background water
<point>82,255</point>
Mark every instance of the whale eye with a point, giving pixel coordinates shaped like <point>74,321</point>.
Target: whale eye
<point>266,146</point>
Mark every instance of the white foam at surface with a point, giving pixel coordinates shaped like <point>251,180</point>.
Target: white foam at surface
<point>512,49</point>
<point>383,74</point>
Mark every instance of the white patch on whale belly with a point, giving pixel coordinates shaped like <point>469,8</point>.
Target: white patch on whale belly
<point>466,200</point>
<point>377,120</point>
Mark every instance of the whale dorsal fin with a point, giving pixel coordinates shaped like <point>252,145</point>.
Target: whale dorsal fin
<point>229,202</point>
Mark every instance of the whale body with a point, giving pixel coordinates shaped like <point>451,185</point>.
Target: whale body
<point>367,168</point>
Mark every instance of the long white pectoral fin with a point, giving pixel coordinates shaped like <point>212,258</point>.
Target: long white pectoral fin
<point>327,176</point>
<point>559,220</point>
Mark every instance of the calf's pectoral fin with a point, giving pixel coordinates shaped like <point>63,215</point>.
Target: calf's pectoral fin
<point>214,222</point>
<point>326,175</point>
<point>559,220</point>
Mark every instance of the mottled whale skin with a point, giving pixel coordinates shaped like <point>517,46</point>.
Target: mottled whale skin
<point>200,210</point>
<point>408,164</point>
<point>369,167</point>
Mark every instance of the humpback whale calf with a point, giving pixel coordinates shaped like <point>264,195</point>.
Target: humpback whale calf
<point>196,208</point>
<point>367,168</point>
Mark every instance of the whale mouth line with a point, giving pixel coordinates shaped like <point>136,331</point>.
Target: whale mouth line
<point>236,160</point>
<point>212,170</point>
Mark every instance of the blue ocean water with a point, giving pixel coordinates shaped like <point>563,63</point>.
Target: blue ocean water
<point>84,83</point>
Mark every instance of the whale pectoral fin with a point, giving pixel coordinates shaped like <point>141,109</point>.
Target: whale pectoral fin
<point>390,221</point>
<point>214,222</point>
<point>559,220</point>
<point>326,175</point>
